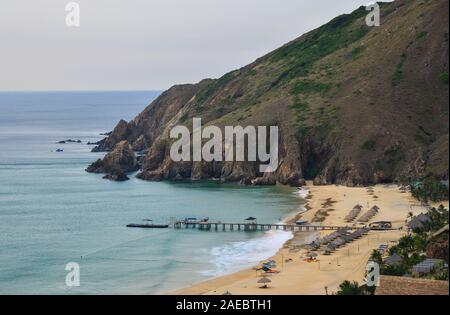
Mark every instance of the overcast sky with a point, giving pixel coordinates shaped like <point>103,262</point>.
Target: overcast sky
<point>146,44</point>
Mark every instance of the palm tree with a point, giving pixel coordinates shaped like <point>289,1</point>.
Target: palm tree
<point>350,288</point>
<point>376,257</point>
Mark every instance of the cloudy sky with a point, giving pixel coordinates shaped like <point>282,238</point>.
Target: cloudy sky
<point>146,44</point>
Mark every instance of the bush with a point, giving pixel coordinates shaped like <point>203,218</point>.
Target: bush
<point>369,145</point>
<point>398,74</point>
<point>301,106</point>
<point>308,87</point>
<point>420,36</point>
<point>357,51</point>
<point>397,270</point>
<point>353,288</point>
<point>394,156</point>
<point>444,77</point>
<point>377,257</point>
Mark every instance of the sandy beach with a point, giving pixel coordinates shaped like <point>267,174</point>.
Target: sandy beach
<point>298,277</point>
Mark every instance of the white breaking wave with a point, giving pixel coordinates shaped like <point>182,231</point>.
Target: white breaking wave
<point>303,192</point>
<point>241,255</point>
<point>246,254</point>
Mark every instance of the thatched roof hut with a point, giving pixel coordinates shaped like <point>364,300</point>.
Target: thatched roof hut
<point>393,260</point>
<point>419,221</point>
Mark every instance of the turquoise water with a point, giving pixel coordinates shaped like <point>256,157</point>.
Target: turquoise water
<point>53,213</point>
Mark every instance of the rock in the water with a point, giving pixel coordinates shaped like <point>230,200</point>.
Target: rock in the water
<point>116,163</point>
<point>68,141</point>
<point>117,176</point>
<point>267,180</point>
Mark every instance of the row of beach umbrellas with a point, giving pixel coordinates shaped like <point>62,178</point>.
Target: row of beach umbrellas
<point>344,239</point>
<point>337,239</point>
<point>315,245</point>
<point>354,213</point>
<point>369,214</point>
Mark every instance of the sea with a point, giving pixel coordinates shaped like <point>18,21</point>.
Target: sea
<point>54,214</point>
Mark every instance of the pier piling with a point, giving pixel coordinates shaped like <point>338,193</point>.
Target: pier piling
<point>248,227</point>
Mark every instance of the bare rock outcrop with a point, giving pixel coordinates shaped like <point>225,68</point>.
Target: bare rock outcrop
<point>117,163</point>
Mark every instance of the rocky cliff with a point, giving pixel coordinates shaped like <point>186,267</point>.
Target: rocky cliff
<point>354,104</point>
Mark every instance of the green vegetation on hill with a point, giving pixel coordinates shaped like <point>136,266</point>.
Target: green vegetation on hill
<point>398,74</point>
<point>357,51</point>
<point>308,87</point>
<point>303,54</point>
<point>444,77</point>
<point>421,36</point>
<point>211,88</point>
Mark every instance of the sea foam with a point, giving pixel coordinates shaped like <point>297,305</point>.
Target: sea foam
<point>240,255</point>
<point>303,192</point>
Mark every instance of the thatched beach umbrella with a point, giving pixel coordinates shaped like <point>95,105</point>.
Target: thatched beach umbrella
<point>251,220</point>
<point>264,281</point>
<point>312,255</point>
<point>331,247</point>
<point>339,242</point>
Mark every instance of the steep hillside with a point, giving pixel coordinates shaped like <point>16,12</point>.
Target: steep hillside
<point>355,105</point>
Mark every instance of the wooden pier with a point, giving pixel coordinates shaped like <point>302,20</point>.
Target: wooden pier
<point>248,227</point>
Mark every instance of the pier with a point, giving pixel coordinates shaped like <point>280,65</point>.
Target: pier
<point>248,227</point>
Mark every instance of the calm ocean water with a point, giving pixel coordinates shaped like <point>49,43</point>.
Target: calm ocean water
<point>53,213</point>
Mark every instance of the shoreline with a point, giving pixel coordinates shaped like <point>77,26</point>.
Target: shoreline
<point>288,218</point>
<point>332,203</point>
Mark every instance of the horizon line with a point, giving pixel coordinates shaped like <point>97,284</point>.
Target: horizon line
<point>81,90</point>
